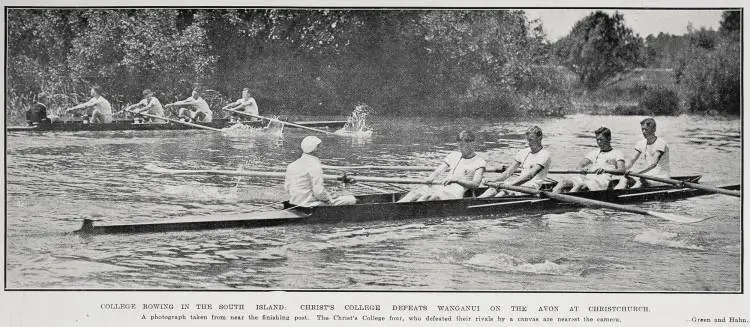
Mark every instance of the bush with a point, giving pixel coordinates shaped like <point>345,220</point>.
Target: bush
<point>660,101</point>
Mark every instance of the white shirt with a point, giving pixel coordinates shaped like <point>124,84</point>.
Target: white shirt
<point>248,105</point>
<point>154,107</point>
<point>461,168</point>
<point>101,105</point>
<point>650,152</point>
<point>529,161</point>
<point>304,182</point>
<point>605,160</point>
<point>200,105</point>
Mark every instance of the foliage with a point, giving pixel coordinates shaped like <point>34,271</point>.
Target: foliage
<point>598,47</point>
<point>660,101</point>
<point>711,78</point>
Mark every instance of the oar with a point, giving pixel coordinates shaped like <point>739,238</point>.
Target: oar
<point>596,203</point>
<point>273,174</point>
<point>402,168</point>
<point>180,122</point>
<point>697,186</point>
<point>280,121</point>
<point>679,183</point>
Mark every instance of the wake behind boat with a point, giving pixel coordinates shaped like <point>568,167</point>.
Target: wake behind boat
<point>383,206</point>
<point>129,124</point>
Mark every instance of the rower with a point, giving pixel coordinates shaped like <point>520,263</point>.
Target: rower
<point>596,161</point>
<point>194,108</point>
<point>304,179</point>
<point>245,104</point>
<point>534,162</point>
<point>38,112</point>
<point>150,104</point>
<point>465,167</point>
<point>655,153</point>
<point>102,112</point>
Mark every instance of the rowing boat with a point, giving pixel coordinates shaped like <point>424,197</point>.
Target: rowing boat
<point>383,206</point>
<point>121,125</point>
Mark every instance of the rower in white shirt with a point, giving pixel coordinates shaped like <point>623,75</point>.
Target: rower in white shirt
<point>534,162</point>
<point>465,170</point>
<point>246,104</point>
<point>593,166</point>
<point>194,108</point>
<point>304,179</point>
<point>102,112</point>
<point>655,153</point>
<point>150,105</point>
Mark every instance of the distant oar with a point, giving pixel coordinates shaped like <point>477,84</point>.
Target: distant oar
<point>273,174</point>
<point>280,121</point>
<point>596,203</point>
<point>180,122</point>
<point>679,183</point>
<point>401,168</point>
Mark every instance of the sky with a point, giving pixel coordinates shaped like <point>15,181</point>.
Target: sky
<point>558,22</point>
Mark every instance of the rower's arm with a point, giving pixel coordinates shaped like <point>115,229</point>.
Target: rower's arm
<point>527,176</point>
<point>233,105</point>
<point>585,162</point>
<point>187,102</point>
<point>476,180</point>
<point>86,104</point>
<point>633,158</point>
<point>508,172</point>
<point>443,166</point>
<point>654,164</point>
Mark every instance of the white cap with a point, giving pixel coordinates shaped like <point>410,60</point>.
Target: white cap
<point>309,143</point>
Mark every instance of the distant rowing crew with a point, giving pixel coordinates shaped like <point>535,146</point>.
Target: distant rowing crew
<point>304,181</point>
<point>193,109</point>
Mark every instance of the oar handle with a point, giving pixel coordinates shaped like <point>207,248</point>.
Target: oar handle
<point>679,183</point>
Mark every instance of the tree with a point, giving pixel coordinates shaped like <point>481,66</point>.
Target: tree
<point>598,47</point>
<point>730,21</point>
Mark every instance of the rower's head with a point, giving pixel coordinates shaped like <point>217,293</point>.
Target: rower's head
<point>603,138</point>
<point>245,92</point>
<point>196,93</point>
<point>96,91</point>
<point>648,127</point>
<point>534,136</point>
<point>465,141</point>
<point>310,144</point>
<point>42,97</point>
<point>148,94</point>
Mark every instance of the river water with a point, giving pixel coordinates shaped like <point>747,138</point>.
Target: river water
<point>54,180</point>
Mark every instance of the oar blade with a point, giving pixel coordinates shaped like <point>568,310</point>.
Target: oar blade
<point>674,217</point>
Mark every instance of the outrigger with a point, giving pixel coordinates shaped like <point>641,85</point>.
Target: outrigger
<point>383,206</point>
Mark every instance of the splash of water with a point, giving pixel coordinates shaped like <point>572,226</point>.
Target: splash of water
<point>502,262</point>
<point>274,128</point>
<point>671,239</point>
<point>357,124</point>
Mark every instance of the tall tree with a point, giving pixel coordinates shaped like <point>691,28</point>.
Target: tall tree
<point>598,47</point>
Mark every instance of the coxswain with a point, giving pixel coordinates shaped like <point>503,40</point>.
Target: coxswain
<point>304,179</point>
<point>150,104</point>
<point>534,162</point>
<point>194,108</point>
<point>465,171</point>
<point>655,153</point>
<point>37,114</point>
<point>593,166</point>
<point>245,104</point>
<point>102,112</point>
